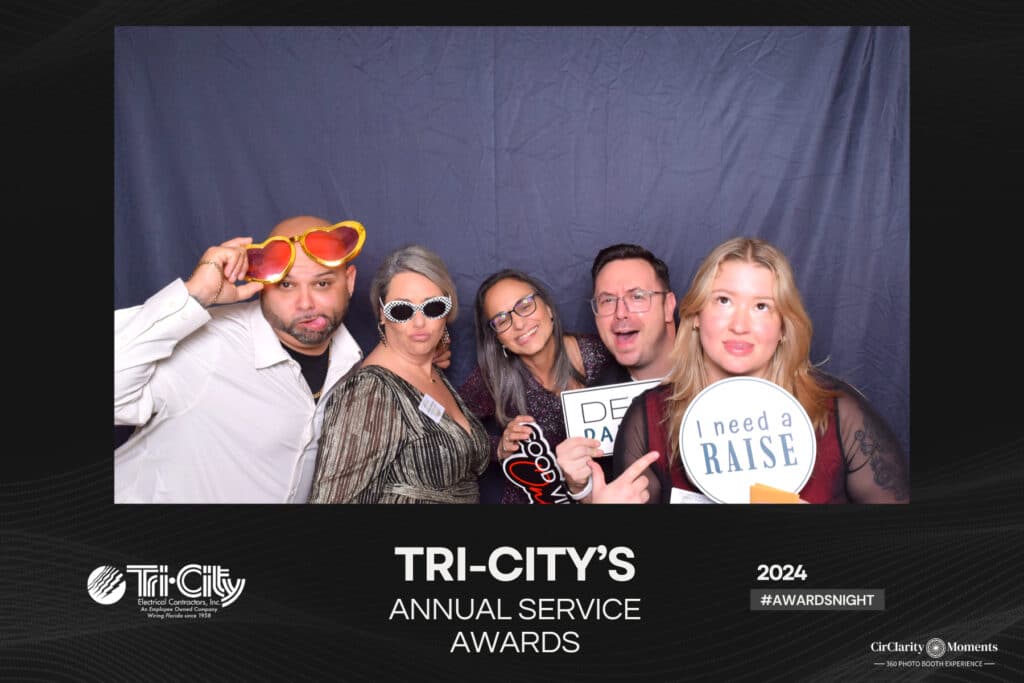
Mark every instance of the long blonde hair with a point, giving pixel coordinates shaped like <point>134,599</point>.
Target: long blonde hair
<point>790,366</point>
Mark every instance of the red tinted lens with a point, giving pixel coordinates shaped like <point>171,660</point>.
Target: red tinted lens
<point>333,246</point>
<point>270,261</point>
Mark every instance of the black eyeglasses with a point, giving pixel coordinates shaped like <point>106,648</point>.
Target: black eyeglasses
<point>636,300</point>
<point>402,311</point>
<point>523,308</point>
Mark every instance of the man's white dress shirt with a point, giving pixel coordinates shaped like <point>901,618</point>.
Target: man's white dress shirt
<point>228,416</point>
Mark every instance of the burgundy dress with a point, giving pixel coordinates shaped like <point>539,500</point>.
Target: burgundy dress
<point>858,449</point>
<point>544,406</point>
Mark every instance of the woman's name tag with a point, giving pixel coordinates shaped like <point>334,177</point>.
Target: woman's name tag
<point>431,408</point>
<point>688,497</point>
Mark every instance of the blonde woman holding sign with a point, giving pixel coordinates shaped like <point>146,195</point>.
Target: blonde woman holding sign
<point>743,317</point>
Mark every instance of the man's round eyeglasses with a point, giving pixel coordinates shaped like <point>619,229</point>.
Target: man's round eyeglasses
<point>635,300</point>
<point>523,308</point>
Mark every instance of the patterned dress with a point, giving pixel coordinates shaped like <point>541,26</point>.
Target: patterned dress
<point>544,406</point>
<point>378,447</point>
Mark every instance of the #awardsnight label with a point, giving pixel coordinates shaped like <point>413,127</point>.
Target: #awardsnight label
<point>745,439</point>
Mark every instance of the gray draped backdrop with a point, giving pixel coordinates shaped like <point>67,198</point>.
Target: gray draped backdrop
<point>533,148</point>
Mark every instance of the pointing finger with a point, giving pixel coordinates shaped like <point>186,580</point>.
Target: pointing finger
<point>642,463</point>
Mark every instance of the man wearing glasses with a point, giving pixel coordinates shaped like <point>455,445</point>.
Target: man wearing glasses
<point>229,400</point>
<point>634,312</point>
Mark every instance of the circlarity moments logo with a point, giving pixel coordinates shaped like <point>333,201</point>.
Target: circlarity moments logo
<point>936,647</point>
<point>933,653</point>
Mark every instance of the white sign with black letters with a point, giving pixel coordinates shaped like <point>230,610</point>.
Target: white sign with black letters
<point>742,431</point>
<point>595,412</point>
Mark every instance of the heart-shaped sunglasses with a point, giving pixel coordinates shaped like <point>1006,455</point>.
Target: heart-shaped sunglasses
<point>330,246</point>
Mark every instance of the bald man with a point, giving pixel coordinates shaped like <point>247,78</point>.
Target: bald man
<point>229,400</point>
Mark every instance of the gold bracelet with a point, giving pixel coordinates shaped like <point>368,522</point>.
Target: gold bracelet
<point>219,288</point>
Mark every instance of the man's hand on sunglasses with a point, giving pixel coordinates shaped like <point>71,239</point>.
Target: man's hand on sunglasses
<point>213,280</point>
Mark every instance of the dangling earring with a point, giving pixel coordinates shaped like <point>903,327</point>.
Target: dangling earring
<point>446,339</point>
<point>504,351</point>
<point>380,333</point>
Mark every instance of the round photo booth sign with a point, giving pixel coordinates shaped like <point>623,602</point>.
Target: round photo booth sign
<point>744,431</point>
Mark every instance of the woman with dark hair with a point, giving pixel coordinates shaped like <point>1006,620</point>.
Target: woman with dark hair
<point>524,361</point>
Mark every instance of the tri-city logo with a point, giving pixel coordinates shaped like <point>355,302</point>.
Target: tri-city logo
<point>194,590</point>
<point>106,585</point>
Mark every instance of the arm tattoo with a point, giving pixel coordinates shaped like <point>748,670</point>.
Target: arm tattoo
<point>889,471</point>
